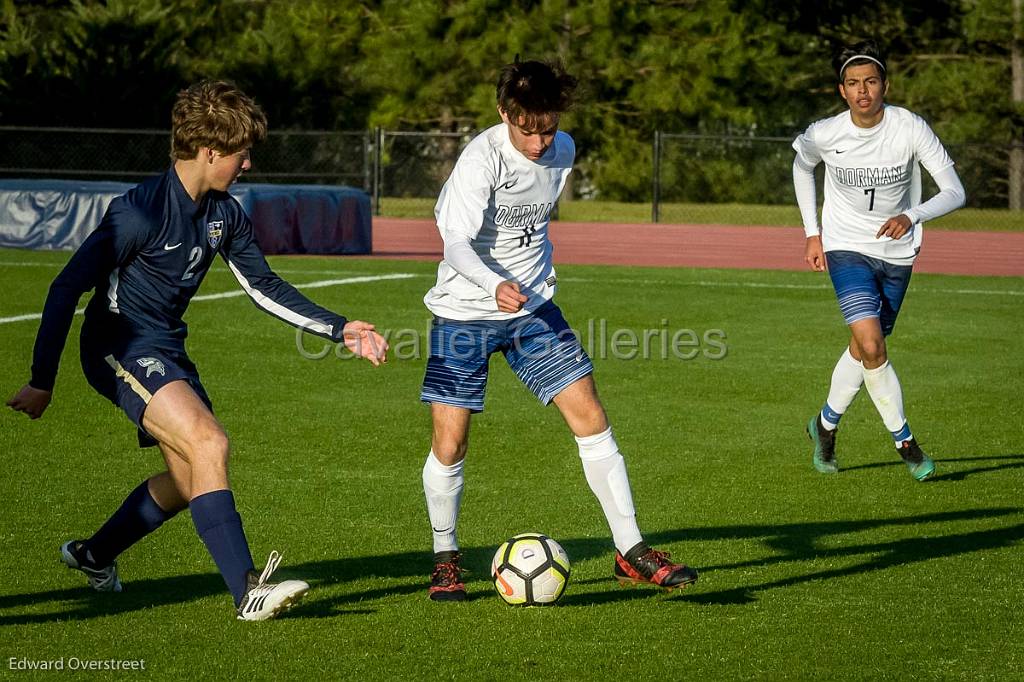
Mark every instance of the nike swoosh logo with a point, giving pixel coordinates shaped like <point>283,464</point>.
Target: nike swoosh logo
<point>510,184</point>
<point>840,151</point>
<point>168,247</point>
<point>505,587</point>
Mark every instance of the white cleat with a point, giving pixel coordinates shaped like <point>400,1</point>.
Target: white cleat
<point>100,579</point>
<point>264,600</point>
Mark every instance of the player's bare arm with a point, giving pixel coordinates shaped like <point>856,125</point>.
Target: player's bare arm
<point>894,227</point>
<point>814,255</point>
<point>31,401</point>
<point>509,299</point>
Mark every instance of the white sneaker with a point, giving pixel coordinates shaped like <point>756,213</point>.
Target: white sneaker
<point>100,579</point>
<point>264,600</point>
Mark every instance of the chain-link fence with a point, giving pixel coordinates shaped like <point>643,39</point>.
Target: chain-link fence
<point>694,178</point>
<point>414,165</point>
<point>705,178</point>
<point>294,157</point>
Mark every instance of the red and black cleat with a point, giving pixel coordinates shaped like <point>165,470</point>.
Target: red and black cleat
<point>446,580</point>
<point>643,565</point>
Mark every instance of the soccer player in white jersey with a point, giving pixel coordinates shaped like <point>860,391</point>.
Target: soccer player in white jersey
<point>494,293</point>
<point>869,237</point>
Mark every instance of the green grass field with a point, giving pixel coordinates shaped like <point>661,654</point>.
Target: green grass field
<point>988,219</point>
<point>865,575</point>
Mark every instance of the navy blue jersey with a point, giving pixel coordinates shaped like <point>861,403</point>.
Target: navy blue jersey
<point>146,260</point>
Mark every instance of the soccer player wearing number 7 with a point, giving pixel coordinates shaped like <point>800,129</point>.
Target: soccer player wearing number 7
<point>494,294</point>
<point>870,235</point>
<point>146,261</point>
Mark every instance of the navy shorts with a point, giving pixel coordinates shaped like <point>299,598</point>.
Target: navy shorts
<point>868,287</point>
<point>130,381</point>
<point>540,348</point>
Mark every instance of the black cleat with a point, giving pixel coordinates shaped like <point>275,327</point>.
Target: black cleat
<point>446,580</point>
<point>824,458</point>
<point>101,578</point>
<point>920,464</point>
<point>643,565</point>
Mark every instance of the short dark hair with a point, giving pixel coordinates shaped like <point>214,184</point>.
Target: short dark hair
<point>215,114</point>
<point>529,92</point>
<point>867,48</point>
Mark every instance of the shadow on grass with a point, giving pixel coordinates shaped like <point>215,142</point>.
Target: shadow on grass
<point>1015,461</point>
<point>797,542</point>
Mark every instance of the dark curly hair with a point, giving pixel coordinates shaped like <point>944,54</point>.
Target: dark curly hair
<point>530,92</point>
<point>868,48</point>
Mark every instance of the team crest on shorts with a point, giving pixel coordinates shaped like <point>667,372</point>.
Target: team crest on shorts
<point>214,229</point>
<point>152,365</point>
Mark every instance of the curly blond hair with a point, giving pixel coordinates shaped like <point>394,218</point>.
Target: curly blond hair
<point>217,115</point>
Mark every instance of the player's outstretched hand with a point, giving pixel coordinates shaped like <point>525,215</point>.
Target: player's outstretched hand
<point>814,255</point>
<point>362,339</point>
<point>894,227</point>
<point>508,297</point>
<point>31,401</point>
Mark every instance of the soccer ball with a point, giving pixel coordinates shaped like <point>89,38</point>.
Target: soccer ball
<point>530,569</point>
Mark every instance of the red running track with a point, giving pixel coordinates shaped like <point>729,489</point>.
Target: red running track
<point>712,246</point>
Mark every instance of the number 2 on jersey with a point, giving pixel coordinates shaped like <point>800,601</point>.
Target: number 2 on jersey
<point>194,257</point>
<point>871,203</point>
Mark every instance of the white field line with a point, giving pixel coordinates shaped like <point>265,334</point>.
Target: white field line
<point>16,264</point>
<point>217,266</point>
<point>767,285</point>
<point>583,280</point>
<point>234,294</point>
<point>702,283</point>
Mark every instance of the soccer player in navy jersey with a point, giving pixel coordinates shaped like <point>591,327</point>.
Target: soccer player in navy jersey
<point>869,237</point>
<point>145,262</point>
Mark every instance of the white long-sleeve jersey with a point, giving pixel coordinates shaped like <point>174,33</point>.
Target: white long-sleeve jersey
<point>871,175</point>
<point>493,214</point>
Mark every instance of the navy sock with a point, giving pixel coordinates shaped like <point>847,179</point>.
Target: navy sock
<point>138,516</point>
<point>829,417</point>
<point>220,527</point>
<point>902,435</point>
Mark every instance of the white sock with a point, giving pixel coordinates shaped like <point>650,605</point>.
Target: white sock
<point>847,378</point>
<point>605,470</point>
<point>884,388</point>
<point>442,486</point>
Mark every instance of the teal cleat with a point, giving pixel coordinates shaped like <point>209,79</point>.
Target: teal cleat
<point>920,464</point>
<point>824,446</point>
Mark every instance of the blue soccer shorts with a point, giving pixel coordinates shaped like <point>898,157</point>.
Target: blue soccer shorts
<point>540,348</point>
<point>868,287</point>
<point>131,381</point>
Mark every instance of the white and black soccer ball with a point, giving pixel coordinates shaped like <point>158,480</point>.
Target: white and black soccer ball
<point>530,569</point>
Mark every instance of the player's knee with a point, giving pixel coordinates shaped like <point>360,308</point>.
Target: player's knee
<point>449,449</point>
<point>592,420</point>
<point>585,414</point>
<point>209,447</point>
<point>184,488</point>
<point>872,351</point>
